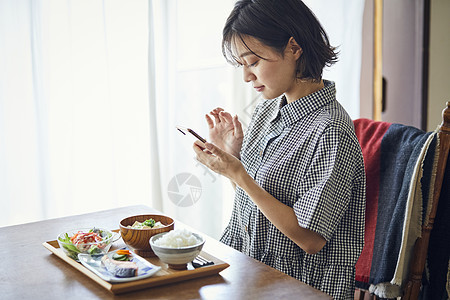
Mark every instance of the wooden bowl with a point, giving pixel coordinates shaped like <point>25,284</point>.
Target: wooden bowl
<point>138,239</point>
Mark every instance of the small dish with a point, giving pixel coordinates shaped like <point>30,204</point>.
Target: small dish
<point>94,264</point>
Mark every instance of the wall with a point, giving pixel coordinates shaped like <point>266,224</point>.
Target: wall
<point>366,85</point>
<point>439,62</point>
<point>401,58</point>
<point>402,61</point>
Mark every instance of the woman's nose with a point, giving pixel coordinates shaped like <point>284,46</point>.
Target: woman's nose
<point>248,74</point>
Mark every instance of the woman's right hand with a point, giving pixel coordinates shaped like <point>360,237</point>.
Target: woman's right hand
<point>225,131</point>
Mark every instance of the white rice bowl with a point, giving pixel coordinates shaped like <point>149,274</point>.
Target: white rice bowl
<point>177,247</point>
<point>177,238</point>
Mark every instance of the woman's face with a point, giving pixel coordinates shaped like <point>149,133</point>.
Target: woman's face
<point>273,75</point>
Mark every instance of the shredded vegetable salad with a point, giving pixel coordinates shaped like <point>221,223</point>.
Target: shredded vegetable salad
<point>80,239</point>
<point>92,242</point>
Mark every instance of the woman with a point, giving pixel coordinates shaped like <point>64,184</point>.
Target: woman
<point>298,171</point>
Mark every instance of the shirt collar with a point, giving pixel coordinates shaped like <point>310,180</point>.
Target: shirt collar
<point>296,110</point>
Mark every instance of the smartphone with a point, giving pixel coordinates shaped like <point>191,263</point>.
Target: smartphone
<point>185,131</point>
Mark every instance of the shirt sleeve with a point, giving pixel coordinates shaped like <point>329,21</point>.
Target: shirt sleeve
<point>325,191</point>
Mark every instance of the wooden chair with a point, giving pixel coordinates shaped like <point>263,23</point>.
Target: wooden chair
<point>411,289</point>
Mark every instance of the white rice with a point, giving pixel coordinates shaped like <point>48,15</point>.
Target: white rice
<point>177,238</point>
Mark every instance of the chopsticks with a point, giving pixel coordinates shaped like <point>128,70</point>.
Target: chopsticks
<point>200,261</point>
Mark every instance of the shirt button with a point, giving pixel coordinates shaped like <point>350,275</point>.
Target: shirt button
<point>261,153</point>
<point>246,228</point>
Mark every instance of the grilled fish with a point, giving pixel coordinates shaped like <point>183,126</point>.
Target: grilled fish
<point>120,268</point>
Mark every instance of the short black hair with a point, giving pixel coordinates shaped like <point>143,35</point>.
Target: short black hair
<point>273,23</point>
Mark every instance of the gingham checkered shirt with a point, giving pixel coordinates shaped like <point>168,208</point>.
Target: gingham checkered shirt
<point>307,156</point>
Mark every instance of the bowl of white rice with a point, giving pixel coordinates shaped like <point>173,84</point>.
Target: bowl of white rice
<point>177,247</point>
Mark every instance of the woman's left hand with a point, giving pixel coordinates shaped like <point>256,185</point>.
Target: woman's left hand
<point>218,160</point>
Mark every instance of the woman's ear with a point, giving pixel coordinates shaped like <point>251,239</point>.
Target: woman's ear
<point>294,48</point>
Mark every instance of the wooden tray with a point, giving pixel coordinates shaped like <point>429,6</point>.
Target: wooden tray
<point>164,276</point>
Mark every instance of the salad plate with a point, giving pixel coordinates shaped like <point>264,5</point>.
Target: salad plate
<point>94,264</point>
<point>86,240</point>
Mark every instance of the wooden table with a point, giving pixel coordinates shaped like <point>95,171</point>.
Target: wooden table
<point>30,271</point>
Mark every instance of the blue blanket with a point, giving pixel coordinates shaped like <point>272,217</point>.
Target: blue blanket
<point>400,148</point>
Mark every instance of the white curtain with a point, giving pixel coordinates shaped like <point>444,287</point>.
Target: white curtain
<point>342,20</point>
<point>91,92</point>
<point>74,121</point>
<point>191,78</point>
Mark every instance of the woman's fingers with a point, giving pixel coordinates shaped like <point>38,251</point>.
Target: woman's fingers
<point>238,132</point>
<point>208,148</point>
<point>225,116</point>
<point>222,117</point>
<point>218,160</point>
<point>203,154</point>
<point>215,113</point>
<point>217,110</point>
<point>213,149</point>
<point>216,117</point>
<point>200,145</point>
<point>209,121</point>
